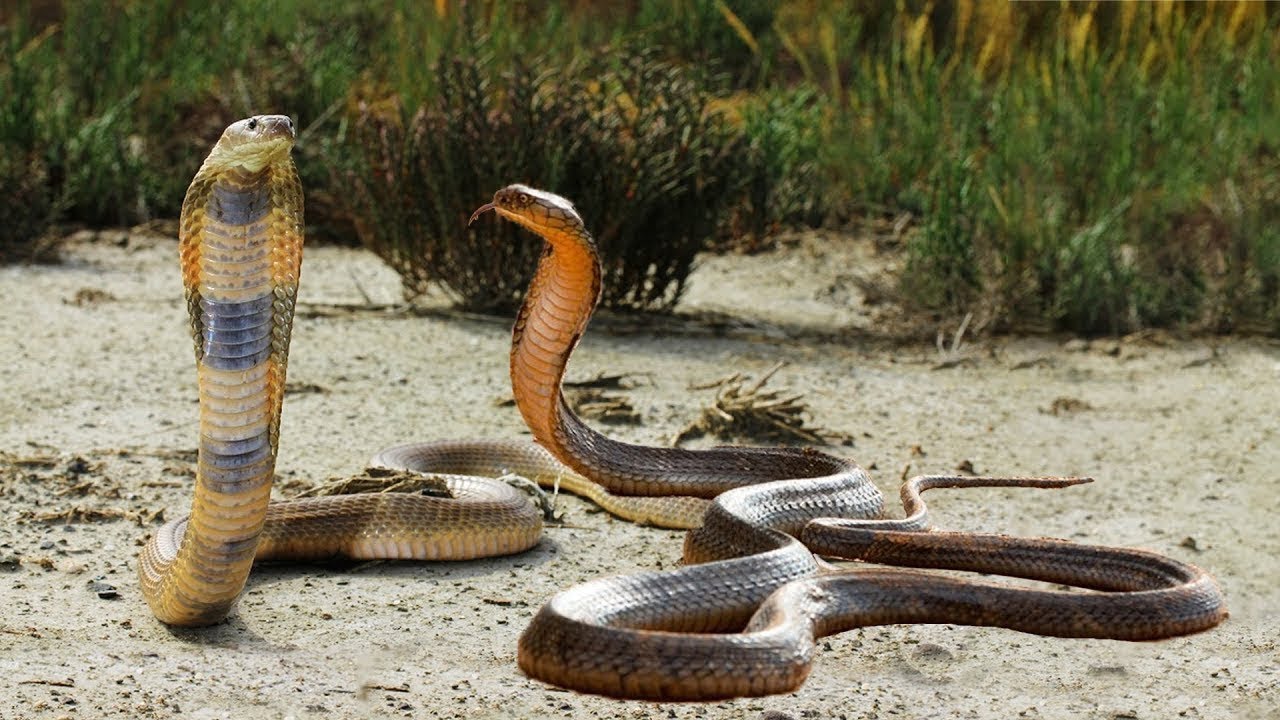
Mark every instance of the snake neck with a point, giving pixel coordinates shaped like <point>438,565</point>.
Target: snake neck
<point>562,296</point>
<point>557,307</point>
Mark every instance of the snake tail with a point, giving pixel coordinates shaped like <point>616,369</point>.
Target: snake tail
<point>746,623</point>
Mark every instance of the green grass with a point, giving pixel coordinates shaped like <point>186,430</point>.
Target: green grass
<point>1076,187</point>
<point>1089,168</point>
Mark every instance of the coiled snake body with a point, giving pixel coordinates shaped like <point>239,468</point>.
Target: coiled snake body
<point>241,250</point>
<point>672,635</point>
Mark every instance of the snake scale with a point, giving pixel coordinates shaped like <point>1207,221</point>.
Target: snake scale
<point>740,618</point>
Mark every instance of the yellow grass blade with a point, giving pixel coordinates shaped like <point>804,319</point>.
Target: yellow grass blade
<point>1078,43</point>
<point>914,40</point>
<point>739,27</point>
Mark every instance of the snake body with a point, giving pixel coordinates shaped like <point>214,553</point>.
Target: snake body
<point>741,618</point>
<point>241,247</point>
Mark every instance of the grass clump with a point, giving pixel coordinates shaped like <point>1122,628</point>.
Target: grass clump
<point>633,146</point>
<point>28,201</point>
<point>26,210</point>
<point>1073,167</point>
<point>116,103</point>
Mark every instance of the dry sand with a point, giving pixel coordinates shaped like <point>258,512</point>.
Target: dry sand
<point>97,411</point>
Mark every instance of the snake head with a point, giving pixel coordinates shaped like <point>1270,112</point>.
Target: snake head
<point>542,212</point>
<point>254,143</point>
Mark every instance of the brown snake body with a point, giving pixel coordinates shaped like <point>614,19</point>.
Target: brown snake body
<point>740,619</point>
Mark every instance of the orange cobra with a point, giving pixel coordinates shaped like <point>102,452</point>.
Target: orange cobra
<point>741,618</point>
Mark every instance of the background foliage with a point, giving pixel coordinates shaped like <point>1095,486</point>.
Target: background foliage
<point>1089,167</point>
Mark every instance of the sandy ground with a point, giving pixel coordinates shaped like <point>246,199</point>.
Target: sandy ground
<point>97,413</point>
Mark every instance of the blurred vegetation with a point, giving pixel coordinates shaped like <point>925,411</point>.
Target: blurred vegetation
<point>1096,168</point>
<point>1099,168</point>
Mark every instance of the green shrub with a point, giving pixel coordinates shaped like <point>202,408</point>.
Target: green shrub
<point>714,32</point>
<point>633,147</point>
<point>1090,163</point>
<point>27,207</point>
<point>941,268</point>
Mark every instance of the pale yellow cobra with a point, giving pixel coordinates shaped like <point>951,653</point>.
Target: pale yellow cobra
<point>240,246</point>
<point>655,635</point>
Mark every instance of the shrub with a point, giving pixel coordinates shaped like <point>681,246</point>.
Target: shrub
<point>782,173</point>
<point>941,268</point>
<point>1095,162</point>
<point>649,169</point>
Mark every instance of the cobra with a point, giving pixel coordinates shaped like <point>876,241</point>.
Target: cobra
<point>742,617</point>
<point>240,252</point>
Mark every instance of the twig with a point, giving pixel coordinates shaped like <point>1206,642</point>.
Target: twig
<point>54,683</point>
<point>359,288</point>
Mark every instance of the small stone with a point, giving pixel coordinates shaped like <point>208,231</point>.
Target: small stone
<point>932,652</point>
<point>104,590</point>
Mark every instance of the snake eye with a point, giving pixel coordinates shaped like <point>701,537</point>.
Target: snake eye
<point>253,124</point>
<point>523,199</point>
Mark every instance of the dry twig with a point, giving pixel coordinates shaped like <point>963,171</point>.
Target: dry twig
<point>589,398</point>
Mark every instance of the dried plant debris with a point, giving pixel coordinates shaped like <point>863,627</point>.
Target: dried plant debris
<point>86,296</point>
<point>66,476</point>
<point>951,356</point>
<point>745,410</point>
<point>80,480</point>
<point>304,388</point>
<point>590,398</point>
<point>79,514</point>
<point>180,455</point>
<point>15,463</point>
<point>381,480</point>
<point>609,408</point>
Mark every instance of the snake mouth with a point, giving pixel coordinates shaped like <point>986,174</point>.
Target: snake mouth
<point>276,127</point>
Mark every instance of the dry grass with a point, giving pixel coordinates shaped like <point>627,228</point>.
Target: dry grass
<point>743,410</point>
